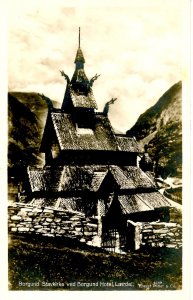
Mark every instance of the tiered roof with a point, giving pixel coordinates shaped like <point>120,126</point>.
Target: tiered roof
<point>68,184</point>
<point>90,178</point>
<point>82,100</point>
<point>100,137</point>
<point>142,202</point>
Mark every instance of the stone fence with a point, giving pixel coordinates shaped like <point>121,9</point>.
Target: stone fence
<point>157,234</point>
<point>52,222</point>
<point>46,221</point>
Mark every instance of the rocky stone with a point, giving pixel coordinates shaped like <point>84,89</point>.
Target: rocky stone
<point>90,229</point>
<point>170,234</point>
<point>94,233</point>
<point>16,218</point>
<point>147,230</point>
<point>172,240</point>
<point>30,214</point>
<point>40,230</point>
<point>162,235</point>
<point>47,215</point>
<point>28,219</point>
<point>48,210</point>
<point>171,246</point>
<point>74,218</point>
<point>159,226</point>
<point>23,214</point>
<point>92,225</point>
<point>147,227</point>
<point>49,220</point>
<point>48,234</point>
<point>66,222</point>
<point>53,225</point>
<point>78,229</point>
<point>163,230</point>
<point>23,229</point>
<point>64,228</point>
<point>38,219</point>
<point>177,233</point>
<point>26,209</point>
<point>82,240</point>
<point>13,211</point>
<point>171,225</point>
<point>45,223</point>
<point>36,210</point>
<point>37,226</point>
<point>88,233</point>
<point>57,220</point>
<point>61,231</point>
<point>13,229</point>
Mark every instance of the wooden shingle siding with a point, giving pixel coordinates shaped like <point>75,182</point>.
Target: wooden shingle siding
<point>90,178</point>
<point>81,100</point>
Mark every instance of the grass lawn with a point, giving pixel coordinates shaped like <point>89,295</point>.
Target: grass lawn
<point>42,263</point>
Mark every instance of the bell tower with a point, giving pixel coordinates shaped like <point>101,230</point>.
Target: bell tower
<point>79,99</point>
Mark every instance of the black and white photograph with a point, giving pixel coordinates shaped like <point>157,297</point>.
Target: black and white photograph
<point>94,154</point>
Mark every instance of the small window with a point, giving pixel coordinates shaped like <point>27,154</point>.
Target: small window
<point>83,131</point>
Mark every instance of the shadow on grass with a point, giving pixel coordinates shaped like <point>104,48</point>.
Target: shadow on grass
<point>42,263</point>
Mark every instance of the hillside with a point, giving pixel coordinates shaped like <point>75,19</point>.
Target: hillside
<point>27,113</point>
<point>160,127</point>
<point>45,263</point>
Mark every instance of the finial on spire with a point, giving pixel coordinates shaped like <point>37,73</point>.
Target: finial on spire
<point>79,55</point>
<point>79,38</point>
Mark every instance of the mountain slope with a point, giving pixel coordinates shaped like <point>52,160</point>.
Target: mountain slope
<point>27,113</point>
<point>161,128</point>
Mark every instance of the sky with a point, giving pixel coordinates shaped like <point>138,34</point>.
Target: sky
<point>137,48</point>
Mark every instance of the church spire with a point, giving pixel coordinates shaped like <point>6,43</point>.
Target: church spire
<point>79,89</point>
<point>79,39</point>
<point>79,60</point>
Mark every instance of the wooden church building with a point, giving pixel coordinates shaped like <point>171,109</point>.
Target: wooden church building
<point>91,169</point>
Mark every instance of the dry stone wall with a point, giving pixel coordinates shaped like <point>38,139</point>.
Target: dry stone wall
<point>157,234</point>
<point>23,218</point>
<point>162,235</point>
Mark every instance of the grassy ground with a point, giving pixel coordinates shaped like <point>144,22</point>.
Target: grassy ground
<point>37,263</point>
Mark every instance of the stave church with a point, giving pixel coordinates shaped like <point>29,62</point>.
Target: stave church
<point>91,169</point>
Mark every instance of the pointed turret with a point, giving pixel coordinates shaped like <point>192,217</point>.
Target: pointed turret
<point>79,93</point>
<point>80,82</point>
<point>79,55</point>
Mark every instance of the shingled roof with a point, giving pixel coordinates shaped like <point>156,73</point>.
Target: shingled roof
<point>90,178</point>
<point>127,144</point>
<point>79,56</point>
<point>131,177</point>
<point>68,138</point>
<point>142,202</point>
<point>66,178</point>
<point>82,100</point>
